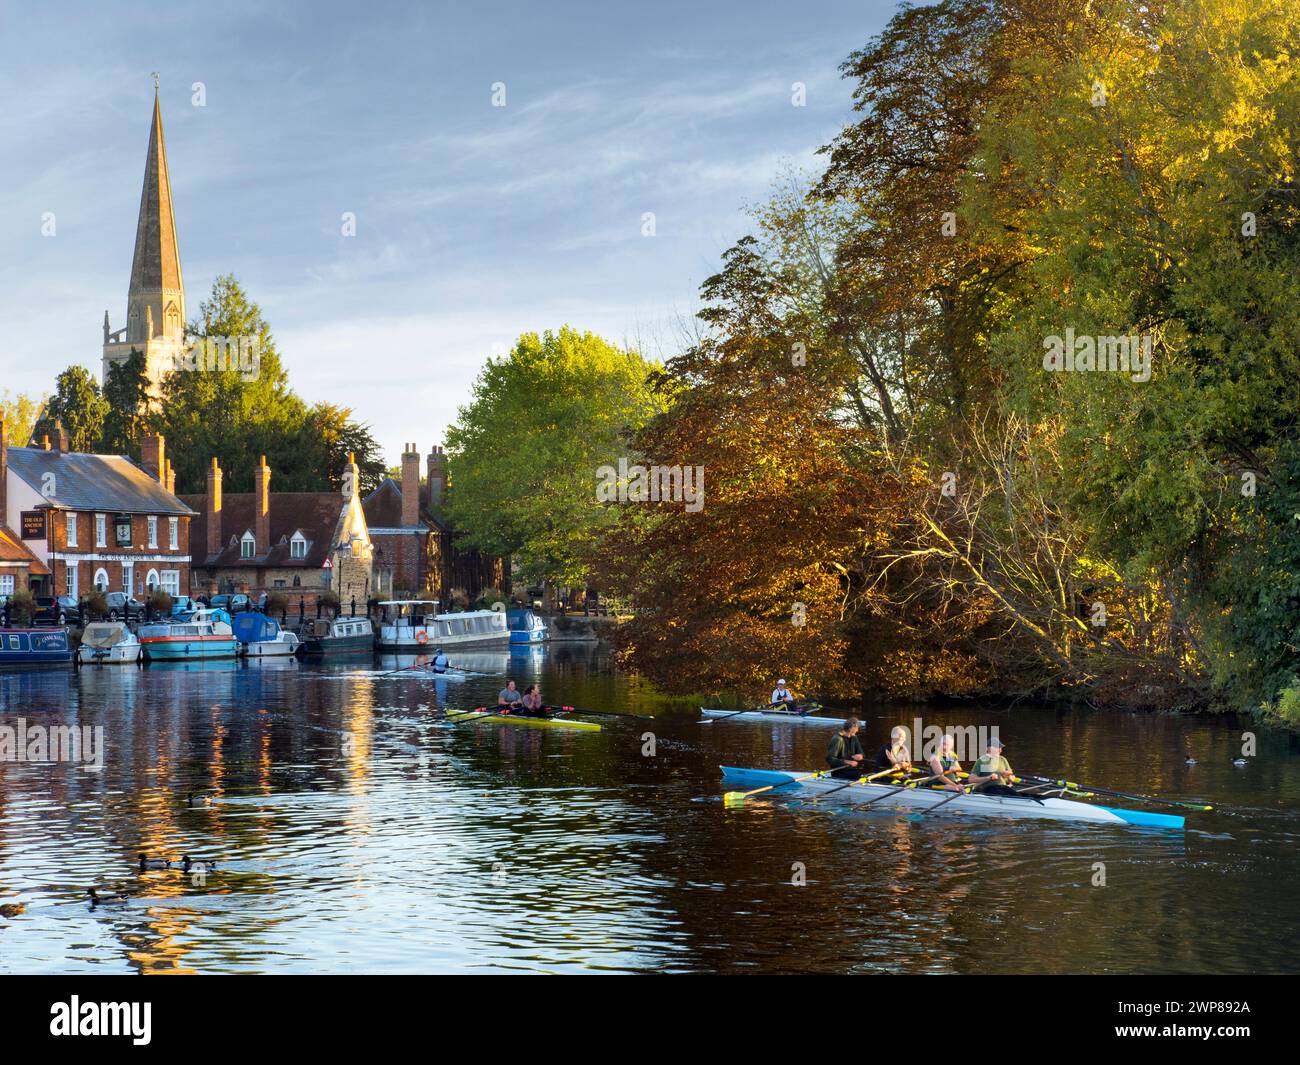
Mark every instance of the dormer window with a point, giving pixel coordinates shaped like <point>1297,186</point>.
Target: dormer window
<point>298,546</point>
<point>247,545</point>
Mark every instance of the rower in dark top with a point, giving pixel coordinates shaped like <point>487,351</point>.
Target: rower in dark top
<point>532,704</point>
<point>844,755</point>
<point>894,754</point>
<point>439,661</point>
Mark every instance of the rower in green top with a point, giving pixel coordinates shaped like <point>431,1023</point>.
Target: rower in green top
<point>992,774</point>
<point>894,754</point>
<point>844,755</point>
<point>945,766</point>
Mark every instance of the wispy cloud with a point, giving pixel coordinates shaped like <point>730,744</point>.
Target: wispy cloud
<point>474,223</point>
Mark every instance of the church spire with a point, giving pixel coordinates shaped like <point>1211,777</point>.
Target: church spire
<point>156,283</point>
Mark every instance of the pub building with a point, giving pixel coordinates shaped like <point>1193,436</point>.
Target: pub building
<point>95,521</point>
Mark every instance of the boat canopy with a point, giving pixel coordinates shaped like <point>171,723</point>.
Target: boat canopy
<point>252,627</point>
<point>104,634</point>
<point>523,620</point>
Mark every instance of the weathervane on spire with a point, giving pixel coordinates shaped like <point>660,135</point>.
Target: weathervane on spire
<point>155,80</point>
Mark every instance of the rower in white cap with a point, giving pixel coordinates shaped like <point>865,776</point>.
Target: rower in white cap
<point>782,697</point>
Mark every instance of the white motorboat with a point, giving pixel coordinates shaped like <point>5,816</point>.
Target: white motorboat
<point>105,643</point>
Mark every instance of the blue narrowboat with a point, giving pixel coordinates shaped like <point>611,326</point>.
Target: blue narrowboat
<point>24,648</point>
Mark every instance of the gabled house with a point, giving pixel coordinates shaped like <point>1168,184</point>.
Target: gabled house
<point>95,521</point>
<point>302,544</point>
<point>414,546</point>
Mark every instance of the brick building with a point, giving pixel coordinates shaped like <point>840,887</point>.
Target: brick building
<point>300,544</point>
<point>95,521</point>
<point>416,547</point>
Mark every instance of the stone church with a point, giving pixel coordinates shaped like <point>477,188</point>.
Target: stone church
<point>155,302</point>
<point>302,544</point>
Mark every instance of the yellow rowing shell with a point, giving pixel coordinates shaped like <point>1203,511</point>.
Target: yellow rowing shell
<point>518,719</point>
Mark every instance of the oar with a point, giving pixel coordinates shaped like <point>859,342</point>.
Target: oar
<point>423,669</point>
<point>394,673</point>
<point>945,802</point>
<point>894,791</point>
<point>862,780</point>
<point>606,713</point>
<point>737,798</point>
<point>1118,794</point>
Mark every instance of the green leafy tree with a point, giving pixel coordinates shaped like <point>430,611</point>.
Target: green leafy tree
<point>218,411</point>
<point>79,405</point>
<point>524,454</point>
<point>125,392</point>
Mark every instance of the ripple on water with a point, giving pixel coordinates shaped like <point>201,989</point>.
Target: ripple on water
<point>354,834</point>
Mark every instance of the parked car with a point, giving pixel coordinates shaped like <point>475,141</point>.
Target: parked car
<point>182,605</point>
<point>60,610</point>
<point>231,604</point>
<point>124,607</point>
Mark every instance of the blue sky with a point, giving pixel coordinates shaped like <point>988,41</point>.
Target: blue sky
<point>474,223</point>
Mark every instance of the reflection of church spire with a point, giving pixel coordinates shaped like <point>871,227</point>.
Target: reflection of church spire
<point>156,283</point>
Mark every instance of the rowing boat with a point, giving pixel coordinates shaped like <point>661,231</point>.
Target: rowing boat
<point>432,674</point>
<point>495,717</point>
<point>987,805</point>
<point>771,715</point>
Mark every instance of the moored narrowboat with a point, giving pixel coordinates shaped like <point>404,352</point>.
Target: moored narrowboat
<point>335,636</point>
<point>414,625</point>
<point>28,648</point>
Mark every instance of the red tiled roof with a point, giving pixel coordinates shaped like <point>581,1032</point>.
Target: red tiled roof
<point>12,549</point>
<point>383,508</point>
<point>314,513</point>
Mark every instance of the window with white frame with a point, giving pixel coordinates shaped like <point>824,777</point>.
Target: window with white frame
<point>71,518</point>
<point>174,533</point>
<point>101,530</point>
<point>153,530</point>
<point>72,579</point>
<point>246,545</point>
<point>171,582</point>
<point>101,579</point>
<point>7,584</point>
<point>151,579</point>
<point>298,546</point>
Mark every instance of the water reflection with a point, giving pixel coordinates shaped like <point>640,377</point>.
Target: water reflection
<point>355,831</point>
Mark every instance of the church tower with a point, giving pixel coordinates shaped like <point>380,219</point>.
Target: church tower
<point>155,302</point>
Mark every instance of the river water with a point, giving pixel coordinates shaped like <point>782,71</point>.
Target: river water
<point>354,834</point>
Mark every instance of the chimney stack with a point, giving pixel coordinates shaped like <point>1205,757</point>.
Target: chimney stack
<point>4,473</point>
<point>214,508</point>
<point>45,442</point>
<point>437,478</point>
<point>153,456</point>
<point>262,505</point>
<point>171,477</point>
<point>410,486</point>
<point>60,436</point>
